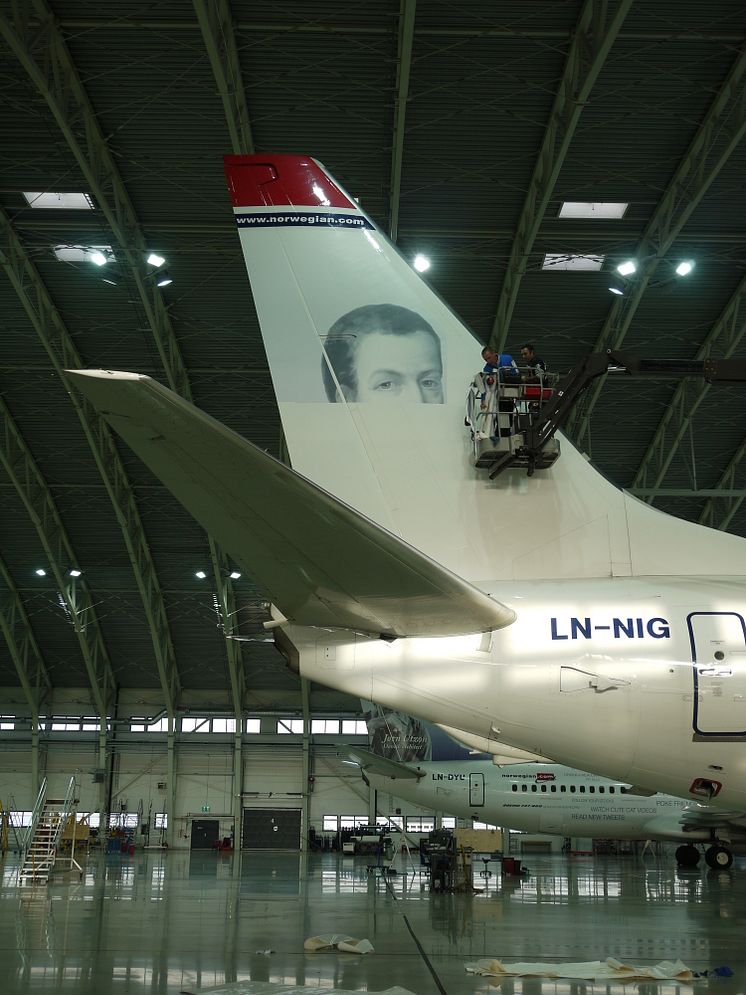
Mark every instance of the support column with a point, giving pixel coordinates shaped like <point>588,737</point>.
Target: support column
<point>172,835</point>
<point>307,765</point>
<point>104,794</point>
<point>372,799</point>
<point>237,786</point>
<point>35,779</point>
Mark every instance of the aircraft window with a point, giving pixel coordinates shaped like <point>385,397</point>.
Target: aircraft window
<point>524,787</point>
<point>563,788</point>
<point>612,789</point>
<point>582,789</point>
<point>601,789</point>
<point>544,788</point>
<point>572,789</point>
<point>553,787</point>
<point>513,787</point>
<point>533,787</point>
<point>592,789</point>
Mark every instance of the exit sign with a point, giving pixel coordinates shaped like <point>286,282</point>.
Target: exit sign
<point>205,808</point>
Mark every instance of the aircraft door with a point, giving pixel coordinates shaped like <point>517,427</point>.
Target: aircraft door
<point>718,644</point>
<point>476,790</point>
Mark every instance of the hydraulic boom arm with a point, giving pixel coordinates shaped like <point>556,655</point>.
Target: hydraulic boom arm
<point>555,412</point>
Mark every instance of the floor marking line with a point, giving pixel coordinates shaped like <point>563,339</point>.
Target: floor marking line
<point>421,949</point>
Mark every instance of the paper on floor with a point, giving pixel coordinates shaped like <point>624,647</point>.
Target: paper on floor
<point>338,941</point>
<point>592,970</point>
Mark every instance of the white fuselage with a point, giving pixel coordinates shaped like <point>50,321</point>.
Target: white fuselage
<point>540,798</point>
<point>638,679</point>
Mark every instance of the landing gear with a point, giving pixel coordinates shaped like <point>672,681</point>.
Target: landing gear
<point>718,857</point>
<point>688,855</point>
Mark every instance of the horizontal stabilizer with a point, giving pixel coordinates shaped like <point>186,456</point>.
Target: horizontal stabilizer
<point>321,562</point>
<point>381,765</point>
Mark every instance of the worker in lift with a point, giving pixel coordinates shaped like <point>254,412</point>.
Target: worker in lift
<point>536,366</point>
<point>501,363</point>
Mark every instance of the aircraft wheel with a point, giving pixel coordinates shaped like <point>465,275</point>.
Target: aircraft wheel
<point>718,857</point>
<point>687,855</point>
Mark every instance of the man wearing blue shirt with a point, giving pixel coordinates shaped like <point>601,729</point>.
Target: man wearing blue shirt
<point>501,363</point>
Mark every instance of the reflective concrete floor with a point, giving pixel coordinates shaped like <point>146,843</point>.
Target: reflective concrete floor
<point>160,923</point>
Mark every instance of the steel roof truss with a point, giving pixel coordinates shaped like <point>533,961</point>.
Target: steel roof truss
<point>226,604</point>
<point>725,336</point>
<point>62,352</point>
<point>216,23</point>
<point>79,605</point>
<point>597,29</point>
<point>22,646</point>
<point>718,512</point>
<point>57,80</point>
<point>407,13</point>
<point>719,134</point>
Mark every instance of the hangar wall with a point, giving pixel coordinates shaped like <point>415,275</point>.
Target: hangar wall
<point>132,772</point>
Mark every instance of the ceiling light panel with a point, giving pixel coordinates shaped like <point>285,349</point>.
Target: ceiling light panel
<point>82,253</point>
<point>50,200</point>
<point>593,209</point>
<point>568,261</point>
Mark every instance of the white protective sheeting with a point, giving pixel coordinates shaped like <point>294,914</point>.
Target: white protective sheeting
<point>268,988</point>
<point>592,970</point>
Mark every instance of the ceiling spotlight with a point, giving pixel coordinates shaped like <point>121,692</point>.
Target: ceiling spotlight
<point>41,572</point>
<point>617,287</point>
<point>98,258</point>
<point>627,268</point>
<point>421,263</point>
<point>74,572</point>
<point>234,575</point>
<point>201,574</point>
<point>112,283</point>
<point>163,279</point>
<point>155,260</point>
<point>684,268</point>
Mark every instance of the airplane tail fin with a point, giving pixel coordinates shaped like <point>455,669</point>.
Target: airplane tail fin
<point>404,739</point>
<point>371,372</point>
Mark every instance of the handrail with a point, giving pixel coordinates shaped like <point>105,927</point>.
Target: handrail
<point>67,808</point>
<point>35,815</point>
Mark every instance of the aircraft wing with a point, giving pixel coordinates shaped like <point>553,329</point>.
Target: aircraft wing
<point>317,559</point>
<point>697,824</point>
<point>382,765</point>
<point>700,817</point>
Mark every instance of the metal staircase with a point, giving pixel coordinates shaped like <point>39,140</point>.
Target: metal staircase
<point>48,819</point>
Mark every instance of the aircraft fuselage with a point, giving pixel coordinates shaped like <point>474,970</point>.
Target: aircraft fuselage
<point>536,798</point>
<point>643,680</point>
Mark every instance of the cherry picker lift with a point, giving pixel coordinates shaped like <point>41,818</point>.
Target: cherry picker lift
<point>513,422</point>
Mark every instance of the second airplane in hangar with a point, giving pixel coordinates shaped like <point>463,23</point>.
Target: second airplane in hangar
<point>423,764</point>
<point>559,801</point>
<point>553,613</point>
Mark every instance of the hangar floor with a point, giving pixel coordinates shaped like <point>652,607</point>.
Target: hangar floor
<point>161,923</point>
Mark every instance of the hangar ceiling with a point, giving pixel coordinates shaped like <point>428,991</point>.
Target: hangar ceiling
<point>461,128</point>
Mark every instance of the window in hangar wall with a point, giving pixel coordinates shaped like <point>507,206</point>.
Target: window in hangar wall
<point>323,727</point>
